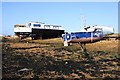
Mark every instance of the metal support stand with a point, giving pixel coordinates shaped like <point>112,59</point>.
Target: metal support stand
<point>84,50</point>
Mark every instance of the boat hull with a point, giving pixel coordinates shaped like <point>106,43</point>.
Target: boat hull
<point>82,37</point>
<point>85,40</point>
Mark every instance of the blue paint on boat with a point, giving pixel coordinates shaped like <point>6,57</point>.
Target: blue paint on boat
<point>79,35</point>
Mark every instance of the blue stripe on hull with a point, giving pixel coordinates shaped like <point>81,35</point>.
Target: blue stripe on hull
<point>82,35</point>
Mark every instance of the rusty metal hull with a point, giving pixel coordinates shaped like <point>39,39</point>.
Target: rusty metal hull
<point>85,40</point>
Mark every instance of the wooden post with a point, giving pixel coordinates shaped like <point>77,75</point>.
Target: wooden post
<point>65,43</point>
<point>40,36</point>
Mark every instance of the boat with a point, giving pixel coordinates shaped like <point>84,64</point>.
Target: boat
<point>38,30</point>
<point>87,35</point>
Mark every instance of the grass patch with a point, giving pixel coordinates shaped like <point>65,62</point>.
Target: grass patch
<point>68,48</point>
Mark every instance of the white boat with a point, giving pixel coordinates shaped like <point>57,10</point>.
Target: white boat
<point>87,35</point>
<point>38,30</point>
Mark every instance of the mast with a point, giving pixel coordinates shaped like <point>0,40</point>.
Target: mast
<point>83,18</point>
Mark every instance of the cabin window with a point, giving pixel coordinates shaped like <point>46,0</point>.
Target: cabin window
<point>29,24</point>
<point>47,26</point>
<point>56,27</point>
<point>22,26</point>
<point>19,26</point>
<point>15,26</point>
<point>36,25</point>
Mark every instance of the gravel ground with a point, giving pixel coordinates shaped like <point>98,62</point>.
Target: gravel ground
<point>49,59</point>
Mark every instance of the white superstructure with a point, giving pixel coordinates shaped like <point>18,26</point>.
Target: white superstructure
<point>38,30</point>
<point>105,29</point>
<point>36,25</point>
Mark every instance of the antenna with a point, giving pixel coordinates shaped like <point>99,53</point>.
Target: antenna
<point>83,19</point>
